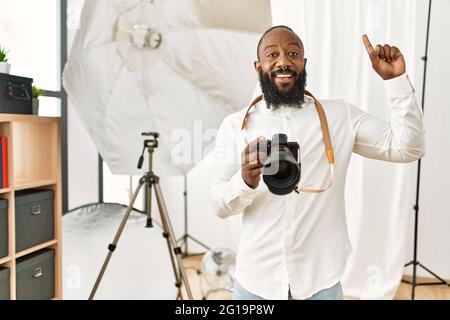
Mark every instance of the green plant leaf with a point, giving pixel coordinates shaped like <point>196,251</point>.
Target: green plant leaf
<point>36,92</point>
<point>3,54</point>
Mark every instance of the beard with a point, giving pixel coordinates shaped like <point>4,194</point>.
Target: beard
<point>275,98</point>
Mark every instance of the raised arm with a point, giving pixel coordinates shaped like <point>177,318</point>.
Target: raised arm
<point>403,138</point>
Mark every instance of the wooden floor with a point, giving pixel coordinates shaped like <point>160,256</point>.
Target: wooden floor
<point>423,292</point>
<point>192,265</point>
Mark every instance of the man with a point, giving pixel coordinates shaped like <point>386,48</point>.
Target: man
<point>296,246</point>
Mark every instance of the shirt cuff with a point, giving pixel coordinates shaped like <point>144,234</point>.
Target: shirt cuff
<point>240,188</point>
<point>398,86</point>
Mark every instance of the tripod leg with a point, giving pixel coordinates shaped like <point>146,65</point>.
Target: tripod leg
<point>414,282</point>
<point>149,206</point>
<point>113,246</point>
<point>174,266</point>
<point>433,274</point>
<point>198,242</point>
<point>173,240</point>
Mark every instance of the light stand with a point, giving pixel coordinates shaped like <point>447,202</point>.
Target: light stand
<point>151,180</point>
<point>414,262</point>
<point>184,239</point>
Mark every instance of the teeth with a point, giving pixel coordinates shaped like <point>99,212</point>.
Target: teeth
<point>284,76</point>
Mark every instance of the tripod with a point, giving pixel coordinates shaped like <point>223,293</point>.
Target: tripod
<point>151,180</point>
<point>414,262</point>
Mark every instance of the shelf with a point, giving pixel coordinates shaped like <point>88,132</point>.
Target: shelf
<point>2,191</point>
<point>5,260</point>
<point>22,184</point>
<point>34,162</point>
<point>36,248</point>
<point>35,150</point>
<point>4,117</point>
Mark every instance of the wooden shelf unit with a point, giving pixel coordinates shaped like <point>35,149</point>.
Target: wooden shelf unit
<point>34,151</point>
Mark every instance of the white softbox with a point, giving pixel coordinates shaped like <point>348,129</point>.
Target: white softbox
<point>177,67</point>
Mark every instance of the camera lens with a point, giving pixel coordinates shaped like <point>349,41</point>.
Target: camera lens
<point>284,170</point>
<point>281,171</point>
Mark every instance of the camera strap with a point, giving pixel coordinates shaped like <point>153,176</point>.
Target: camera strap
<point>325,133</point>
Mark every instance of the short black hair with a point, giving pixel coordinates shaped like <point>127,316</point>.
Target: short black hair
<point>270,29</point>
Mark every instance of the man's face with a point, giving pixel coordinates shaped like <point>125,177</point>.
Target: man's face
<point>281,58</point>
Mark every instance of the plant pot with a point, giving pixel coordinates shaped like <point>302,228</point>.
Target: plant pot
<point>35,106</point>
<point>5,67</point>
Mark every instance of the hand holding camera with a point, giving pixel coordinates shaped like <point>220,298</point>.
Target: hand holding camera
<point>277,160</point>
<point>252,162</point>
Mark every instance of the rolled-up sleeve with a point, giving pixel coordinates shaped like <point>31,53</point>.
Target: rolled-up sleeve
<point>230,194</point>
<point>400,140</point>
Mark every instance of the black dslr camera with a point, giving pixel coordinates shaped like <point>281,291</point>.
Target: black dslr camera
<point>282,169</point>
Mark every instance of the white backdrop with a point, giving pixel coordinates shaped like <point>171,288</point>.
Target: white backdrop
<point>380,196</point>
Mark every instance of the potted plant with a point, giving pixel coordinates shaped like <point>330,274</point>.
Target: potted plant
<point>4,65</point>
<point>36,93</point>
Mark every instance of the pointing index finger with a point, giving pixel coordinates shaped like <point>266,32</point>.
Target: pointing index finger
<point>368,45</point>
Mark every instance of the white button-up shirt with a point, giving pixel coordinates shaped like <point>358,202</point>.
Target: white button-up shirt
<point>300,241</point>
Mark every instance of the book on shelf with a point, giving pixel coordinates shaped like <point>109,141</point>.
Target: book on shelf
<point>1,165</point>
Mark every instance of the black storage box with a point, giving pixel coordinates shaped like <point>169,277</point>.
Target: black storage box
<point>3,228</point>
<point>35,276</point>
<point>4,283</point>
<point>34,218</point>
<point>15,94</point>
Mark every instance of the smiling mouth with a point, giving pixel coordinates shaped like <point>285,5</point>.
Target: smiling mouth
<point>284,80</point>
<point>284,76</point>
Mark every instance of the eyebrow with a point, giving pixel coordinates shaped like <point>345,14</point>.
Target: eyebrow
<point>272,45</point>
<point>294,43</point>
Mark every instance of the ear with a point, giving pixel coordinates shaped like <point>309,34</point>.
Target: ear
<point>257,66</point>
